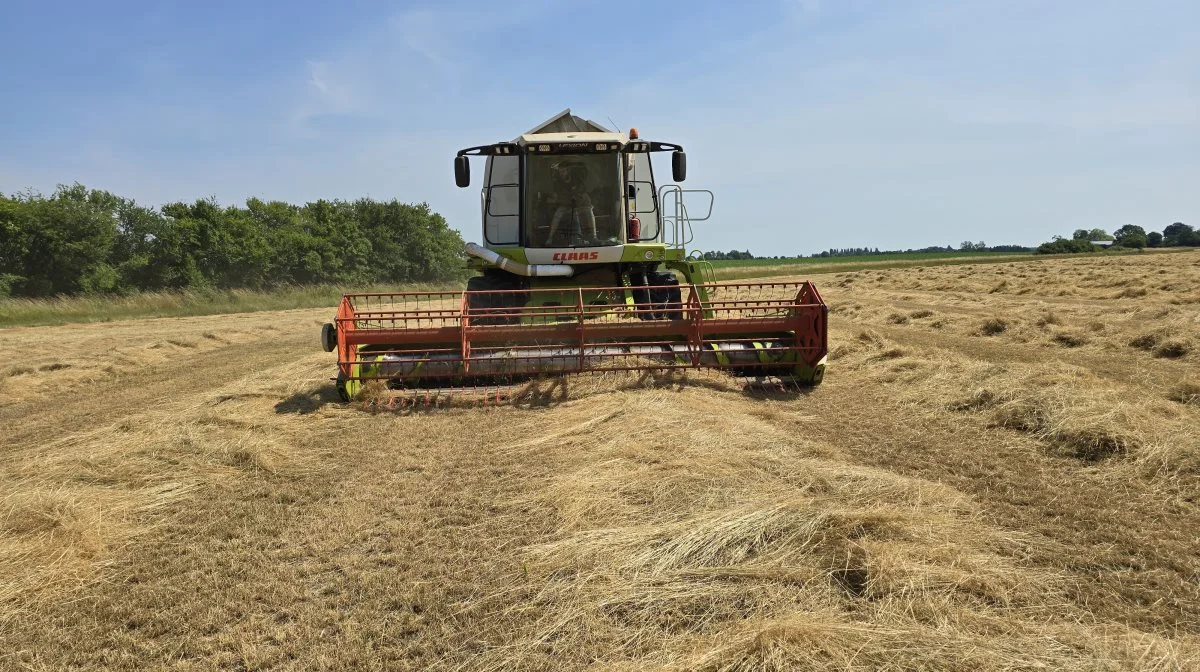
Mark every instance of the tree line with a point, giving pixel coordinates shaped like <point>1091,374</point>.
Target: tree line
<point>965,246</point>
<point>732,254</point>
<point>88,241</point>
<point>79,240</point>
<point>1130,236</point>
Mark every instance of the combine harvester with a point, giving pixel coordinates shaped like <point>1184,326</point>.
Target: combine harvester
<point>580,270</point>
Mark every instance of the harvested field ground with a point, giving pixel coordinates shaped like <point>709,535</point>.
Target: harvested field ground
<point>1000,472</point>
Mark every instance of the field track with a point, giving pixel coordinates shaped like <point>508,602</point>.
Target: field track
<point>1000,472</point>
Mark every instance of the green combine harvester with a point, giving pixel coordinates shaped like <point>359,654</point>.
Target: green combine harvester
<point>582,267</point>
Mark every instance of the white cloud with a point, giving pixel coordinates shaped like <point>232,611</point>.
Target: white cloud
<point>316,76</point>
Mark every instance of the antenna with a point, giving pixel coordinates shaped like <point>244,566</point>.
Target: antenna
<point>615,126</point>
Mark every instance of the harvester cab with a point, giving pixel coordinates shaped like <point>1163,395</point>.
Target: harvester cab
<point>582,267</point>
<point>571,209</point>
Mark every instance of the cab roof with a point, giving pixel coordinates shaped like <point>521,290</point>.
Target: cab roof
<point>566,122</point>
<point>588,137</point>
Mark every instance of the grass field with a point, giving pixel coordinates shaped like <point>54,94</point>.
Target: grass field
<point>759,268</point>
<point>66,310</point>
<point>1000,472</point>
<point>741,269</point>
<point>860,258</point>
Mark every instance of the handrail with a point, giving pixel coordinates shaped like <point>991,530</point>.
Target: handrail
<point>680,219</point>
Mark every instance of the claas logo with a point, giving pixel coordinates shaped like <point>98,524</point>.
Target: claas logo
<point>576,256</point>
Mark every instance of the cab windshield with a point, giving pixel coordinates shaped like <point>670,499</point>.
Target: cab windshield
<point>573,200</point>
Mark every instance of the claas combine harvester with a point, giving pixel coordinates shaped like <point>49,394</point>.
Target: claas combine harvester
<point>582,268</point>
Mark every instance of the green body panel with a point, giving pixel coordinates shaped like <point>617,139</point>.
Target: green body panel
<point>631,253</point>
<point>690,272</point>
<point>348,388</point>
<point>636,252</point>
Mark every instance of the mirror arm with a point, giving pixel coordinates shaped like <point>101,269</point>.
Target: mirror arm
<point>498,149</point>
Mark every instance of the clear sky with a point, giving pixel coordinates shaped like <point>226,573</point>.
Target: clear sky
<point>817,123</point>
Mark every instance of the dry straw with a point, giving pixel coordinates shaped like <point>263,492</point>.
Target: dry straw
<point>954,497</point>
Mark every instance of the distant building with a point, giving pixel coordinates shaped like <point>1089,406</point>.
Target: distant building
<point>1102,243</point>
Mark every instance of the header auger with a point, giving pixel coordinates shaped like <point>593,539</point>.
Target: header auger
<point>582,268</point>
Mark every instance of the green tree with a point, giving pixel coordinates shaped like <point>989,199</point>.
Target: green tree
<point>138,232</point>
<point>409,243</point>
<point>198,246</point>
<point>61,244</point>
<point>1177,234</point>
<point>348,260</point>
<point>80,240</point>
<point>13,244</point>
<point>1062,245</point>
<point>1091,234</point>
<point>1130,235</point>
<point>1154,239</point>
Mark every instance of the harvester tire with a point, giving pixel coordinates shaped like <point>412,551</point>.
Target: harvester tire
<point>666,299</point>
<point>487,301</point>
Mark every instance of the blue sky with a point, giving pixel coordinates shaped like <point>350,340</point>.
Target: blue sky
<point>817,123</point>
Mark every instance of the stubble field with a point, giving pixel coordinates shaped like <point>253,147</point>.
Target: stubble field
<point>1000,472</point>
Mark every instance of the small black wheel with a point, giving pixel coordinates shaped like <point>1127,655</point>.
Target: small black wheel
<point>328,337</point>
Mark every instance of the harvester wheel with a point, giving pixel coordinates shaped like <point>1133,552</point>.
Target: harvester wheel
<point>666,299</point>
<point>491,300</point>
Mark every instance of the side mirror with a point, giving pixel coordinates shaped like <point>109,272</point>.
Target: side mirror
<point>631,191</point>
<point>462,171</point>
<point>679,165</point>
